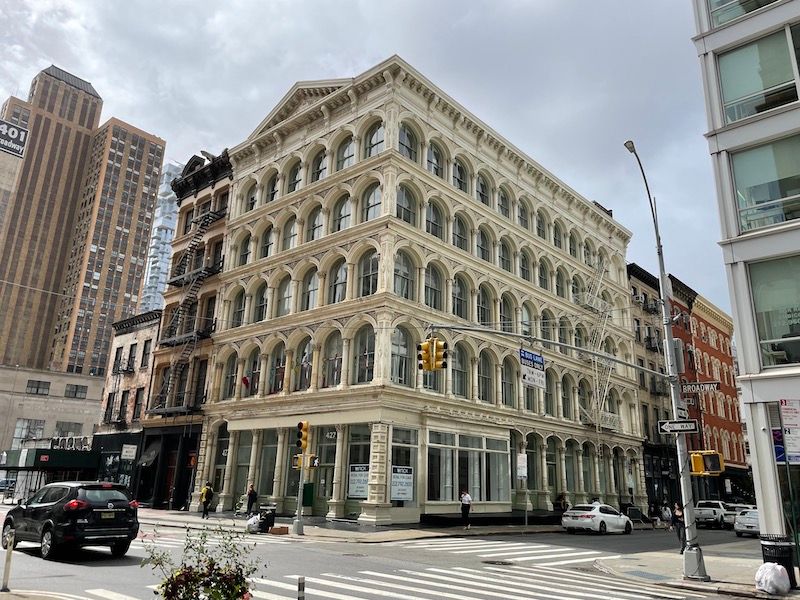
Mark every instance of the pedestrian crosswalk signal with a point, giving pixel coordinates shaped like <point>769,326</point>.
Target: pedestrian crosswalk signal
<point>707,463</point>
<point>439,360</point>
<point>424,351</point>
<point>302,435</point>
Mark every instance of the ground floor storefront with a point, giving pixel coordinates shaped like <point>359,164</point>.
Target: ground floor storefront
<point>166,467</point>
<point>385,466</point>
<point>661,474</point>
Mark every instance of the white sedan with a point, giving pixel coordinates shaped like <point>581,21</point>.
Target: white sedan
<point>600,518</point>
<point>746,522</point>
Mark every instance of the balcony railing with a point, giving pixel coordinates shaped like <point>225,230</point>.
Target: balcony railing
<point>180,278</point>
<point>652,343</point>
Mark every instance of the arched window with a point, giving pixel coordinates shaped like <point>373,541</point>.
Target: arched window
<point>587,254</point>
<point>229,381</point>
<point>486,378</point>
<point>302,366</point>
<point>484,245</point>
<point>506,315</point>
<point>505,256</point>
<point>580,337</point>
<point>261,303</point>
<point>337,282</point>
<point>277,368</point>
<point>573,245</point>
<point>583,394</point>
<point>541,226</point>
<point>237,314</point>
<point>544,275</point>
<point>558,238</point>
<point>244,250</point>
<point>548,325</point>
<point>522,216</point>
<point>527,321</point>
<point>251,198</point>
<point>460,295</point>
<point>373,142</point>
<point>460,361</point>
<point>561,288</point>
<point>566,397</point>
<point>508,386</point>
<point>314,225</point>
<point>319,166</point>
<point>368,273</point>
<point>402,373</point>
<point>460,234</point>
<point>267,242</point>
<point>406,205</point>
<point>482,190</point>
<point>345,154</point>
<point>549,393</point>
<point>434,223</point>
<point>524,266</point>
<point>371,203</point>
<point>433,288</point>
<point>252,374</point>
<point>460,176</point>
<point>435,162</point>
<point>289,240</point>
<point>341,214</point>
<point>364,355</point>
<point>407,143</point>
<point>308,299</point>
<point>293,181</point>
<point>404,276</point>
<point>503,204</point>
<point>484,306</point>
<point>576,289</point>
<point>332,361</point>
<point>272,188</point>
<point>284,304</point>
<point>564,329</point>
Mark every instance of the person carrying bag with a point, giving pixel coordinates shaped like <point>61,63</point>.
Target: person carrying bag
<point>206,496</point>
<point>466,506</point>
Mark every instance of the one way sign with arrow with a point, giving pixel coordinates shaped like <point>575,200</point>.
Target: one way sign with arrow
<point>686,426</point>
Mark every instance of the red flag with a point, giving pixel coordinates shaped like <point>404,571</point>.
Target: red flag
<point>245,381</point>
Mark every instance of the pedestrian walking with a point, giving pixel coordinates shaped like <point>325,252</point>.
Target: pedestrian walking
<point>561,505</point>
<point>206,496</point>
<point>252,498</point>
<point>466,506</point>
<point>666,516</point>
<point>679,525</point>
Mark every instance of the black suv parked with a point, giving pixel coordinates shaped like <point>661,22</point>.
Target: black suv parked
<point>75,513</point>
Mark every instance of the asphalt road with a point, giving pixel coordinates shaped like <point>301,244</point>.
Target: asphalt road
<point>551,566</point>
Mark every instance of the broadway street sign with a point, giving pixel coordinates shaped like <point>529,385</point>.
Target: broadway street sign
<point>699,386</point>
<point>687,426</point>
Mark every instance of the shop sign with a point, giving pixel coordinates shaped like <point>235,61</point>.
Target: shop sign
<point>790,418</point>
<point>522,466</point>
<point>402,483</point>
<point>13,138</point>
<point>357,483</point>
<point>128,452</point>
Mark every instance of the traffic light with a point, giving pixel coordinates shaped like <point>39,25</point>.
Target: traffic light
<point>424,351</point>
<point>439,359</point>
<point>707,462</point>
<point>302,435</point>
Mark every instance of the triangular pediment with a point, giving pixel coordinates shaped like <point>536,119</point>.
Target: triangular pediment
<point>301,95</point>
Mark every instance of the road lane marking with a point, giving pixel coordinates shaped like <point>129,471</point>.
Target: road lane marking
<point>109,595</point>
<point>525,558</point>
<point>542,551</point>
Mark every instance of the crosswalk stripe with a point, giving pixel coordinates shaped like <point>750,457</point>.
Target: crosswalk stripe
<point>459,545</point>
<point>48,595</point>
<point>293,588</point>
<point>546,550</point>
<point>267,595</point>
<point>395,585</point>
<point>505,545</point>
<point>577,560</point>
<point>486,588</point>
<point>372,592</point>
<point>527,558</point>
<point>109,595</point>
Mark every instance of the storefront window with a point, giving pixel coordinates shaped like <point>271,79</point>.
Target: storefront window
<point>326,451</point>
<point>221,456</point>
<point>775,287</point>
<point>404,467</point>
<point>242,464</point>
<point>358,461</point>
<point>269,453</point>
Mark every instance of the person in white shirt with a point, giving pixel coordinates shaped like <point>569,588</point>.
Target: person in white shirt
<point>466,506</point>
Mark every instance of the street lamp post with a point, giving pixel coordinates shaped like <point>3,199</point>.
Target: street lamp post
<point>693,565</point>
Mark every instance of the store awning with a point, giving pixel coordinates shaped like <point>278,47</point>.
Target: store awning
<point>149,455</point>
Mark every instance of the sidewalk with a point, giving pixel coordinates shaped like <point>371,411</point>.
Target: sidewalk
<point>730,576</point>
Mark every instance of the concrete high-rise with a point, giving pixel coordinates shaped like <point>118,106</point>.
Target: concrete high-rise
<point>76,227</point>
<point>159,252</point>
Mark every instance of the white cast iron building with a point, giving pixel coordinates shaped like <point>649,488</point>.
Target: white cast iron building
<point>365,210</point>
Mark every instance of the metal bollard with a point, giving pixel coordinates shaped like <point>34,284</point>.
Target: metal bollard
<point>301,588</point>
<point>9,552</point>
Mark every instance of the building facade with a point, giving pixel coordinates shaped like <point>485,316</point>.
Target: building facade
<point>118,437</point>
<point>364,214</point>
<point>159,251</point>
<point>749,67</point>
<point>173,423</point>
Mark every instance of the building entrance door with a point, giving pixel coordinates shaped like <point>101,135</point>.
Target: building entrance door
<point>323,477</point>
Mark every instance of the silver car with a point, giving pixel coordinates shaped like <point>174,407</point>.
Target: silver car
<point>746,522</point>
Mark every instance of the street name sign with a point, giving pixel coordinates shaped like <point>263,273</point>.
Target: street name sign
<point>695,387</point>
<point>685,426</point>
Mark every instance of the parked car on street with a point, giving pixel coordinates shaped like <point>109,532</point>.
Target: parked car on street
<point>747,522</point>
<point>73,514</point>
<point>714,513</point>
<point>600,518</point>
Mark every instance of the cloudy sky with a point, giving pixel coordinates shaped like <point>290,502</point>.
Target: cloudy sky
<point>567,81</point>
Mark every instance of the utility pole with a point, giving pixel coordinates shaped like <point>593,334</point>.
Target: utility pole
<point>693,565</point>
